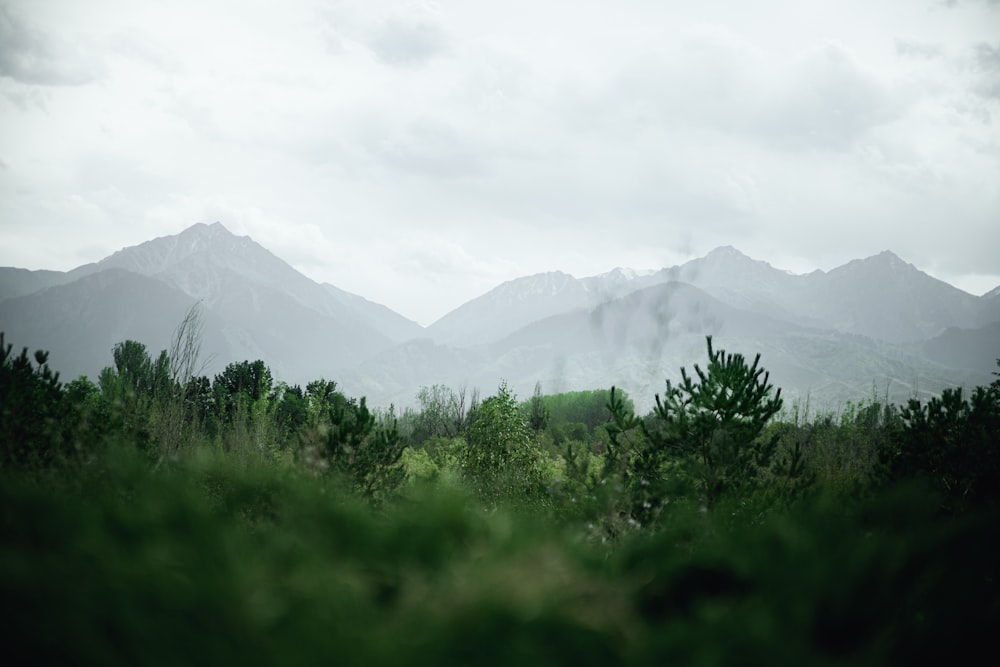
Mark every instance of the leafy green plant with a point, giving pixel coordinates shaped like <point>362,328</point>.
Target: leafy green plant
<point>501,460</point>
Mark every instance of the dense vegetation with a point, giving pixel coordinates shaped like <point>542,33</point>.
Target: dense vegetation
<point>163,517</point>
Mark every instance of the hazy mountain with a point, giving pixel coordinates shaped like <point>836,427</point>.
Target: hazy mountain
<point>882,297</point>
<point>205,261</point>
<point>724,273</point>
<point>887,298</point>
<point>617,283</point>
<point>638,341</point>
<point>977,348</point>
<point>516,303</point>
<point>990,306</point>
<point>873,325</point>
<point>80,322</point>
<point>386,321</point>
<point>21,282</point>
<point>733,278</point>
<point>256,305</point>
<point>508,307</point>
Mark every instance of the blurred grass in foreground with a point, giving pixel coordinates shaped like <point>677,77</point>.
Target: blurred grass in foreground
<point>212,561</point>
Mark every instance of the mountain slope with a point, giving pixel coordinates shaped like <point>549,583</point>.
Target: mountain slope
<point>889,299</point>
<point>80,322</point>
<point>990,306</point>
<point>21,282</point>
<point>508,307</point>
<point>256,306</point>
<point>203,258</point>
<point>734,278</point>
<point>638,341</point>
<point>386,321</point>
<point>877,322</point>
<point>976,349</point>
<point>882,297</point>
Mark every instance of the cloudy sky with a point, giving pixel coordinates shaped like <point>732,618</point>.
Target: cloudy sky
<point>419,153</point>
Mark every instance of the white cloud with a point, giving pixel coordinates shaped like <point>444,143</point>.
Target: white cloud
<point>828,101</point>
<point>914,48</point>
<point>29,54</point>
<point>398,41</point>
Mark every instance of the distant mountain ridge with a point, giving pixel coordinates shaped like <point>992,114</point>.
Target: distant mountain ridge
<point>880,296</point>
<point>639,340</point>
<point>258,306</point>
<point>877,322</point>
<point>834,335</point>
<point>202,258</point>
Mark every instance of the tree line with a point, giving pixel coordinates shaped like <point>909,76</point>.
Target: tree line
<point>721,434</point>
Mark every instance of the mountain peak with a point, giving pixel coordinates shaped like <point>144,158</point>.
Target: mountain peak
<point>726,252</point>
<point>883,261</point>
<point>215,230</point>
<point>194,250</point>
<point>889,257</point>
<point>539,284</point>
<point>725,265</point>
<point>620,273</point>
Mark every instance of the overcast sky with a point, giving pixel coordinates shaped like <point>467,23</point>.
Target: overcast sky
<point>419,153</point>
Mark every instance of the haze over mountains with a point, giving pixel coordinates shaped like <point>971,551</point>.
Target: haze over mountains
<point>875,323</point>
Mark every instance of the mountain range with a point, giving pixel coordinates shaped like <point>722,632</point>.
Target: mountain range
<point>877,324</point>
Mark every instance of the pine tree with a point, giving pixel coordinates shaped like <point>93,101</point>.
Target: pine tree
<point>539,417</point>
<point>713,422</point>
<point>32,409</point>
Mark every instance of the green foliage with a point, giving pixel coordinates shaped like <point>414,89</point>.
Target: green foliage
<point>243,381</point>
<point>347,439</point>
<point>829,582</point>
<point>129,388</point>
<point>33,411</point>
<point>234,551</point>
<point>82,391</point>
<point>138,374</point>
<point>839,451</point>
<point>955,443</point>
<point>136,378</point>
<point>443,413</point>
<point>322,394</point>
<point>713,424</point>
<point>501,461</point>
<point>568,432</point>
<point>621,424</point>
<point>571,409</point>
<point>418,466</point>
<point>210,562</point>
<point>291,410</point>
<point>538,414</point>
